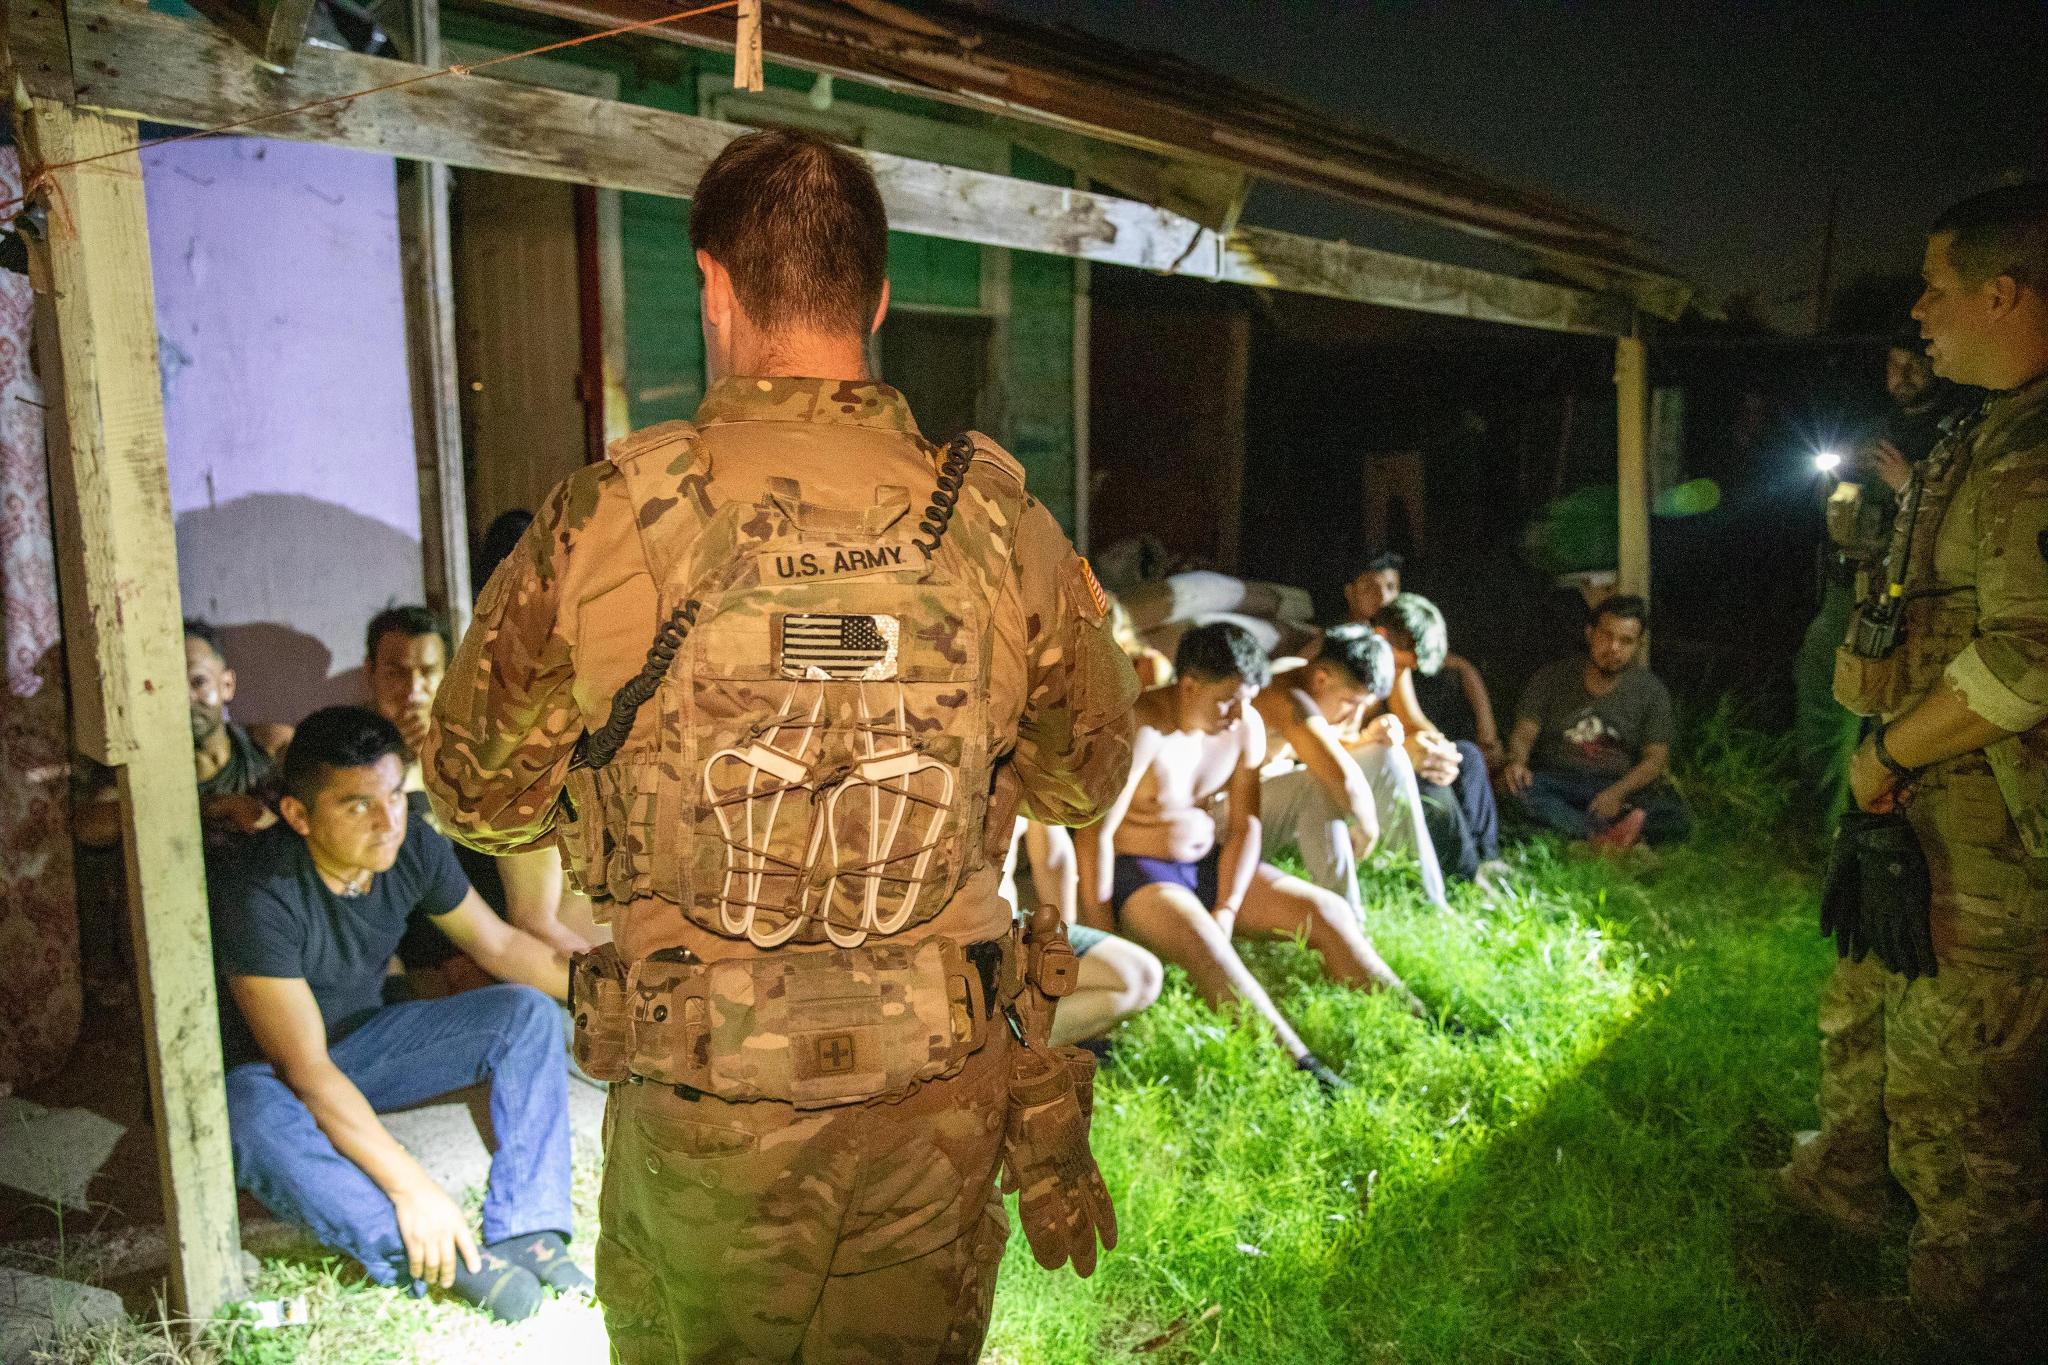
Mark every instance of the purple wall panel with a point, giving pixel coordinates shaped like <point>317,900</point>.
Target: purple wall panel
<point>281,320</point>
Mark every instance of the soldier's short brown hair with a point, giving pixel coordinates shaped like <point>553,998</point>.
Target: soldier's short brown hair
<point>2001,232</point>
<point>799,225</point>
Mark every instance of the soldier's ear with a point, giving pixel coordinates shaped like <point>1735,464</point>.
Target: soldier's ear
<point>881,309</point>
<point>2004,294</point>
<point>716,299</point>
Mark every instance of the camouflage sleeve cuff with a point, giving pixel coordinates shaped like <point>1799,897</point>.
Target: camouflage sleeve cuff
<point>1990,697</point>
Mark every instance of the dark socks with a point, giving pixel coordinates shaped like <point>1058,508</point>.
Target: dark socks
<point>545,1256</point>
<point>506,1291</point>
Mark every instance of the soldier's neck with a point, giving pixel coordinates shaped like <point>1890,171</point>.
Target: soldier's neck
<point>800,355</point>
<point>2023,363</point>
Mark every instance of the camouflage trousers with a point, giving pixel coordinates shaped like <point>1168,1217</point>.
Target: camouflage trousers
<point>1942,1079</point>
<point>744,1232</point>
<point>1845,1164</point>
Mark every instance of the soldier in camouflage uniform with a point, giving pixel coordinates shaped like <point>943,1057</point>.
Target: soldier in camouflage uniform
<point>798,837</point>
<point>1962,1056</point>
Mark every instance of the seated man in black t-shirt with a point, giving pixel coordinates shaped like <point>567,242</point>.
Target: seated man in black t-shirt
<point>306,915</point>
<point>1457,796</point>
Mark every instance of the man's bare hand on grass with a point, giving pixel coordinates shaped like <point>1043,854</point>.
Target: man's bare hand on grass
<point>435,1232</point>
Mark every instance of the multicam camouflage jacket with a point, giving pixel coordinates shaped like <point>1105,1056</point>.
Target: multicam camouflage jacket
<point>1976,591</point>
<point>777,481</point>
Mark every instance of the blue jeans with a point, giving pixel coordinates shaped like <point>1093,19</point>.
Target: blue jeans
<point>1558,799</point>
<point>1464,822</point>
<point>510,1036</point>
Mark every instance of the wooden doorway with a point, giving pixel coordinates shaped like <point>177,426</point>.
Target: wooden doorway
<point>529,359</point>
<point>942,363</point>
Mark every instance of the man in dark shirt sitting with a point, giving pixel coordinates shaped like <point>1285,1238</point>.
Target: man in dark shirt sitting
<point>233,766</point>
<point>306,915</point>
<point>1592,740</point>
<point>1457,793</point>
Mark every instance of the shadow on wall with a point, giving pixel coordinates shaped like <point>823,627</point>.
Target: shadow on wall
<point>292,581</point>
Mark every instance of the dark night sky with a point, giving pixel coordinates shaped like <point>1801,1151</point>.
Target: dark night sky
<point>1716,131</point>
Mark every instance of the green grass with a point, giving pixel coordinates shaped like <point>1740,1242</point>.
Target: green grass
<point>1580,1178</point>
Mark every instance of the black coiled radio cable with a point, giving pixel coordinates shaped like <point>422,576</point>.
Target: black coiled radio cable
<point>938,515</point>
<point>597,749</point>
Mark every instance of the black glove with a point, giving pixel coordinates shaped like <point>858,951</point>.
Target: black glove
<point>1841,899</point>
<point>1895,891</point>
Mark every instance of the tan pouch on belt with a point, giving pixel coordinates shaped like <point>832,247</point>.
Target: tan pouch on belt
<point>813,1028</point>
<point>597,1001</point>
<point>1870,687</point>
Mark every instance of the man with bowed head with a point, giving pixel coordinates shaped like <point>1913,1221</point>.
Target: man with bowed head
<point>778,681</point>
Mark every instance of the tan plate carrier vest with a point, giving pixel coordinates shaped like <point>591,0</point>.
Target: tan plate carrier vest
<point>1940,621</point>
<point>812,771</point>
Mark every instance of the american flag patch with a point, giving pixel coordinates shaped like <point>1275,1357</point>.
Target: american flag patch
<point>839,648</point>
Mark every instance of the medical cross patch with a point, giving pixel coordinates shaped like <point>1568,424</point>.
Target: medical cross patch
<point>835,1054</point>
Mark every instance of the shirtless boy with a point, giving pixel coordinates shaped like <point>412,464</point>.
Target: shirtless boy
<point>1156,870</point>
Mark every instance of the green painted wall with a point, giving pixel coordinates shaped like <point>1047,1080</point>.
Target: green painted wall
<point>1040,372</point>
<point>933,272</point>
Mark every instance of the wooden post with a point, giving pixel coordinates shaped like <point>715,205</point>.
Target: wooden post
<point>426,249</point>
<point>1632,422</point>
<point>118,555</point>
<point>1084,350</point>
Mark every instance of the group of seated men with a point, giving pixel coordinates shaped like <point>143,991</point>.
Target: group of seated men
<point>369,964</point>
<point>327,880</point>
<point>1239,757</point>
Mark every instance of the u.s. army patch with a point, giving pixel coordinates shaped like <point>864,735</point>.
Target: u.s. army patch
<point>1085,591</point>
<point>823,563</point>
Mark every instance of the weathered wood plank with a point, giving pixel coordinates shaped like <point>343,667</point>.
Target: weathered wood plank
<point>1305,265</point>
<point>38,47</point>
<point>271,29</point>
<point>426,256</point>
<point>284,28</point>
<point>96,264</point>
<point>148,65</point>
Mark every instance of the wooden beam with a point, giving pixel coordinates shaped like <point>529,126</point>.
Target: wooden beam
<point>1016,69</point>
<point>115,532</point>
<point>1338,270</point>
<point>139,63</point>
<point>271,29</point>
<point>38,47</point>
<point>1632,424</point>
<point>426,254</point>
<point>284,28</point>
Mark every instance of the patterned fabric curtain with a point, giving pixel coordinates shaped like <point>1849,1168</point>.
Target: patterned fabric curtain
<point>40,997</point>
